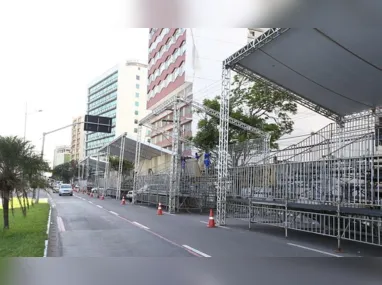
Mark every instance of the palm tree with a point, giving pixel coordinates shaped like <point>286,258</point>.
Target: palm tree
<point>18,167</point>
<point>33,167</point>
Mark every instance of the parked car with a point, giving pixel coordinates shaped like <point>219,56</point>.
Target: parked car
<point>65,189</point>
<point>130,195</point>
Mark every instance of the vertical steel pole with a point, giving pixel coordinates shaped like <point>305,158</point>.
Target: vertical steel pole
<point>107,169</point>
<point>42,157</point>
<point>97,169</point>
<point>137,162</point>
<point>174,174</point>
<point>87,172</point>
<point>223,148</point>
<point>340,168</point>
<point>120,167</point>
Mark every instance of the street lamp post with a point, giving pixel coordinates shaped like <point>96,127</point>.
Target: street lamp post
<point>26,118</point>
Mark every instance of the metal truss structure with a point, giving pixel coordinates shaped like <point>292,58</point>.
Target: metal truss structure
<point>120,166</point>
<point>223,149</point>
<point>328,184</point>
<point>175,161</point>
<point>232,64</point>
<point>172,104</point>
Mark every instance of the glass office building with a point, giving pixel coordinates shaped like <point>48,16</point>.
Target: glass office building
<point>102,101</point>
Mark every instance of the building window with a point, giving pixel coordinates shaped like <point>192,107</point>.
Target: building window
<point>135,121</point>
<point>137,104</point>
<point>135,130</point>
<point>136,112</point>
<point>137,77</point>
<point>136,95</point>
<point>137,86</point>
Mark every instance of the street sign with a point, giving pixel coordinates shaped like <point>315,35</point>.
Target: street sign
<point>97,124</point>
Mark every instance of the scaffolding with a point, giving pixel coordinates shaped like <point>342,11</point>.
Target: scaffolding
<point>329,183</point>
<point>181,189</point>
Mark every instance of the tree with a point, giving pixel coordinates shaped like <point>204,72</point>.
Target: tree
<point>126,168</point>
<point>32,170</point>
<point>65,171</point>
<point>255,104</point>
<point>17,160</point>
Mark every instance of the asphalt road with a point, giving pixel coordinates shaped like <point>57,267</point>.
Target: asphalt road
<point>90,227</point>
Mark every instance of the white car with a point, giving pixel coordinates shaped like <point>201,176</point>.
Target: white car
<point>130,195</point>
<point>65,189</point>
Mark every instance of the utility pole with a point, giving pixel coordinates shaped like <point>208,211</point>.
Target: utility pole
<point>43,146</point>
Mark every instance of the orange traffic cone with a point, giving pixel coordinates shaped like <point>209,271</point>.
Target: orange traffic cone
<point>159,212</point>
<point>102,197</point>
<point>123,201</point>
<point>211,220</point>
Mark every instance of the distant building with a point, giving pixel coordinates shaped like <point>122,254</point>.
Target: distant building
<point>120,93</point>
<point>78,139</point>
<point>61,155</point>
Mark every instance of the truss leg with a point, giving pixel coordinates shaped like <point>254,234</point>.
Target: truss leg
<point>175,171</point>
<point>120,168</point>
<point>223,149</point>
<point>137,162</point>
<point>97,169</point>
<point>107,169</point>
<point>87,169</point>
<point>341,173</point>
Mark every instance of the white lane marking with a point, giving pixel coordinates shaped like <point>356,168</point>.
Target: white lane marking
<point>223,227</point>
<point>140,225</point>
<point>114,213</point>
<point>60,224</point>
<point>167,213</point>
<point>90,202</point>
<point>99,206</point>
<point>196,251</point>
<point>49,221</point>
<point>46,248</point>
<point>316,250</point>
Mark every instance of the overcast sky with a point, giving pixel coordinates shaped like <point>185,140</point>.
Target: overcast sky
<point>49,52</point>
<point>48,55</point>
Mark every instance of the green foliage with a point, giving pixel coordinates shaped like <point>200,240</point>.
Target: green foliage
<point>254,104</point>
<point>66,171</point>
<point>26,236</point>
<point>126,168</point>
<point>20,169</point>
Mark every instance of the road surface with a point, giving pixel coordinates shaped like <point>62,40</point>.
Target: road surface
<point>89,227</point>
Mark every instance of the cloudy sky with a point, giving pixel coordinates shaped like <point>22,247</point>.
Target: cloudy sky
<point>48,55</point>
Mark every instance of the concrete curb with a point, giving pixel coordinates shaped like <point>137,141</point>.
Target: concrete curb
<point>48,227</point>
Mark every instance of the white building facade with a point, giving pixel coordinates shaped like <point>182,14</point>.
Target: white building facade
<point>78,139</point>
<point>120,93</point>
<point>61,155</point>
